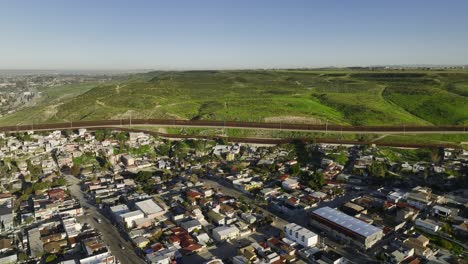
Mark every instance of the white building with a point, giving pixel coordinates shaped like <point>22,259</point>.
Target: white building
<point>191,225</point>
<point>119,209</point>
<point>150,208</point>
<point>129,218</point>
<point>300,235</point>
<point>221,233</point>
<point>290,184</point>
<point>427,224</point>
<point>441,211</point>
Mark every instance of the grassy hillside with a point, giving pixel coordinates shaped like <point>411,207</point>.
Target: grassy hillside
<point>309,96</point>
<point>47,104</point>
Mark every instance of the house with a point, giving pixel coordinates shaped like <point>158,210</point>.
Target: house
<point>143,222</point>
<point>461,229</point>
<point>395,196</point>
<point>10,257</point>
<point>406,213</point>
<point>441,211</point>
<point>36,247</point>
<point>428,225</point>
<point>281,247</point>
<point>222,233</point>
<point>216,218</point>
<point>141,241</point>
<point>332,257</point>
<point>57,194</point>
<point>202,238</point>
<point>6,244</point>
<point>353,209</point>
<point>191,225</point>
<point>119,209</point>
<point>250,219</point>
<point>419,243</point>
<point>6,217</point>
<point>128,160</point>
<point>248,253</point>
<point>398,254</point>
<point>290,184</point>
<point>419,197</point>
<point>164,256</point>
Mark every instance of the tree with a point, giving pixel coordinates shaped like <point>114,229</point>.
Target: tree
<point>314,181</point>
<point>143,176</point>
<point>59,182</point>
<point>377,169</point>
<point>222,141</point>
<point>193,179</point>
<point>446,228</point>
<point>22,256</point>
<point>75,170</point>
<point>50,258</point>
<point>164,149</point>
<point>180,149</point>
<point>102,135</point>
<point>295,169</point>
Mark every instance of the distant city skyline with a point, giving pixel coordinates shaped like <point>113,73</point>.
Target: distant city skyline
<point>188,35</point>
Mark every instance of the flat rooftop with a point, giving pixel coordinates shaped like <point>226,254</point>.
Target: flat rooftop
<point>348,222</point>
<point>149,207</point>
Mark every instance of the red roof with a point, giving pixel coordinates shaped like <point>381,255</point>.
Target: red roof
<point>293,200</point>
<point>193,194</point>
<point>5,195</point>
<point>388,204</point>
<point>193,247</point>
<point>187,242</point>
<point>156,247</point>
<point>56,191</point>
<point>174,239</point>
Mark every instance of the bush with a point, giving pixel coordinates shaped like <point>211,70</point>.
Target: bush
<point>50,258</point>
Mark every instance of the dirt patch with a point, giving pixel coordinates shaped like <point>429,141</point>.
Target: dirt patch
<point>294,119</point>
<point>50,111</point>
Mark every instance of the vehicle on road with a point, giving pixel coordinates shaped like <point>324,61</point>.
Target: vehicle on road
<point>98,220</point>
<point>121,246</point>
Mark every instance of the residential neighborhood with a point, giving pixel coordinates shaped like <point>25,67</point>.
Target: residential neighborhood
<point>109,196</point>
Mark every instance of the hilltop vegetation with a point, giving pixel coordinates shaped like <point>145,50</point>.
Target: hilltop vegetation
<point>352,97</point>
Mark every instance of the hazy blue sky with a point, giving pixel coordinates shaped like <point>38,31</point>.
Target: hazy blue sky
<point>117,34</point>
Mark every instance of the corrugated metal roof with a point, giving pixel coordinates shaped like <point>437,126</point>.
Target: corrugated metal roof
<point>346,221</point>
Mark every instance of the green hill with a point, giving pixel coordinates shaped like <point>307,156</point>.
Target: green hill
<point>308,96</point>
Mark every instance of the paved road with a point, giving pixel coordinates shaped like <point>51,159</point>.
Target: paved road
<point>110,233</point>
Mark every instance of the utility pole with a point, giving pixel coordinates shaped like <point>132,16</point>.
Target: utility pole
<point>130,119</point>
